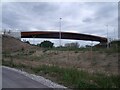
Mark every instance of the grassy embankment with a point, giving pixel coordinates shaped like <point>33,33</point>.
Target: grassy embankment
<point>70,77</point>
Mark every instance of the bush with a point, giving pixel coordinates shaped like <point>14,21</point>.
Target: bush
<point>46,44</point>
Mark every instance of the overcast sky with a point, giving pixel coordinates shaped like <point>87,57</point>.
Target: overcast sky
<point>88,18</point>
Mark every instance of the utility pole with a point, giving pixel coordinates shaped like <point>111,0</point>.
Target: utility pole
<point>33,39</point>
<point>60,33</point>
<point>107,38</point>
<point>114,34</point>
<point>91,50</point>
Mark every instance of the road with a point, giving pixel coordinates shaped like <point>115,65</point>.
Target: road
<point>13,79</point>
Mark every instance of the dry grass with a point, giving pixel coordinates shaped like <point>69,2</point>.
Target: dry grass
<point>95,62</point>
<point>65,63</point>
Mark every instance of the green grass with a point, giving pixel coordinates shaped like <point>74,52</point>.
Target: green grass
<point>73,78</point>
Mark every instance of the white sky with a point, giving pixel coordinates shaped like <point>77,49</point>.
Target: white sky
<point>82,17</point>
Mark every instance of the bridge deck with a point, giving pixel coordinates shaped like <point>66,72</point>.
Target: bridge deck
<point>64,35</point>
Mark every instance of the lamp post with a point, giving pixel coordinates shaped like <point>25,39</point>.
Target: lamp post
<point>60,33</point>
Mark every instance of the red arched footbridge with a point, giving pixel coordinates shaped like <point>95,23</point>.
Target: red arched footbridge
<point>64,35</point>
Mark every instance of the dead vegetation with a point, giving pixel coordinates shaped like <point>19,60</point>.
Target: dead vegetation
<point>63,66</point>
<point>95,61</point>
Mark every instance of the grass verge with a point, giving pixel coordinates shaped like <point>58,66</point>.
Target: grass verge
<point>72,77</point>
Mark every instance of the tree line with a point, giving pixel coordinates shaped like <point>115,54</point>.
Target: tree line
<point>49,44</point>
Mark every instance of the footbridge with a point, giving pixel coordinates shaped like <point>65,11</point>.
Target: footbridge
<point>64,35</point>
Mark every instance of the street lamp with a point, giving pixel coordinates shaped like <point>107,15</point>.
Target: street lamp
<point>60,33</point>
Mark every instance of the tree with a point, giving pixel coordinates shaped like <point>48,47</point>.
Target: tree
<point>72,45</point>
<point>46,44</point>
<point>27,42</point>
